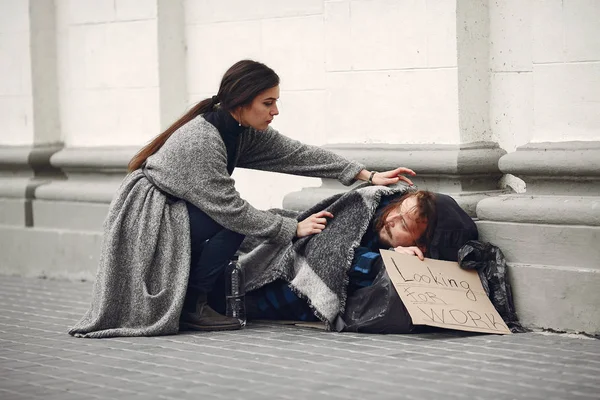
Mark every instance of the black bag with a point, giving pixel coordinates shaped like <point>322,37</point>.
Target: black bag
<point>490,264</point>
<point>376,308</point>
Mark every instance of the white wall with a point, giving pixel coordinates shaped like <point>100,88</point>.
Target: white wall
<point>353,71</point>
<point>511,72</point>
<point>566,57</point>
<point>16,100</point>
<point>545,71</point>
<point>108,71</point>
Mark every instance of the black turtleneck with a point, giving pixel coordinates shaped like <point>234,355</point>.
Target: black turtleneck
<point>230,131</point>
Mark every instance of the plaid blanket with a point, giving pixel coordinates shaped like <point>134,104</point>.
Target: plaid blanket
<point>276,301</point>
<point>316,267</point>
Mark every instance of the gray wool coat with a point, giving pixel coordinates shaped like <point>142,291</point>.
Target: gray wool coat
<point>145,258</point>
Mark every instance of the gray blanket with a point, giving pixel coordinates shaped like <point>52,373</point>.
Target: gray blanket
<point>316,267</point>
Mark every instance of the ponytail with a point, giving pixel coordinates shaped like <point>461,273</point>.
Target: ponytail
<point>140,158</point>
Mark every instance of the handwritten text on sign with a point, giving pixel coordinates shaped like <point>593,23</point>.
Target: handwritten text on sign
<point>440,293</point>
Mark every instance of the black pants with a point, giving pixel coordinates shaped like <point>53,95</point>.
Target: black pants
<point>212,247</point>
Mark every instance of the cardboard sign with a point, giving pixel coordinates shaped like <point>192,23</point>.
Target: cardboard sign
<point>440,293</point>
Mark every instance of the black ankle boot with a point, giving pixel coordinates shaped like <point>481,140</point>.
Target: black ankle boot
<point>197,315</point>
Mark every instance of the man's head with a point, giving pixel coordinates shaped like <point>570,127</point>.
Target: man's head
<point>408,221</point>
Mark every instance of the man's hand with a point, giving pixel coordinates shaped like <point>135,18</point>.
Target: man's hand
<point>313,224</point>
<point>411,251</point>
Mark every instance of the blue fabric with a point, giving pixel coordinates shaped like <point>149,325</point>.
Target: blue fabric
<point>277,301</point>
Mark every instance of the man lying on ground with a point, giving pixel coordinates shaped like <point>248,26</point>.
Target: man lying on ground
<point>310,279</point>
<point>403,222</point>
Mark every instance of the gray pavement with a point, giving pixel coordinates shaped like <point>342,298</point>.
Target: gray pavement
<point>38,359</point>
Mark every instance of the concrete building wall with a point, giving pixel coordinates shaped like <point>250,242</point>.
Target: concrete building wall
<point>566,64</point>
<point>16,97</point>
<point>480,97</point>
<point>545,77</point>
<point>348,68</point>
<point>108,75</point>
<point>350,71</point>
<point>337,60</point>
<point>28,103</point>
<point>511,73</point>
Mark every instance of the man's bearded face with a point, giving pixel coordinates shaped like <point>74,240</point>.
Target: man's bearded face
<point>402,226</point>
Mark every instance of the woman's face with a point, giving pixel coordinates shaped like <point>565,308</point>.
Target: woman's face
<point>403,227</point>
<point>260,113</point>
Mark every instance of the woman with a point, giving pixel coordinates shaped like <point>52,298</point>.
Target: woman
<point>177,219</point>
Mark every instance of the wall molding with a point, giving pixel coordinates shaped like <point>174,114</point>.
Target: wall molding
<point>93,174</point>
<point>22,170</point>
<point>555,168</point>
<point>468,172</point>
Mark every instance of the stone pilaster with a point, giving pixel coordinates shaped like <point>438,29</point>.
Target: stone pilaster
<point>551,234</point>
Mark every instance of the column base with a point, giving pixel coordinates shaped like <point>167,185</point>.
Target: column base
<point>551,235</point>
<point>51,218</point>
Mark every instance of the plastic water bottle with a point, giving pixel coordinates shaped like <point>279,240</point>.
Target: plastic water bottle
<point>235,292</point>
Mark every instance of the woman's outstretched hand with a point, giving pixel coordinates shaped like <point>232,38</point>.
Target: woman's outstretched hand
<point>394,176</point>
<point>313,224</point>
<point>386,178</point>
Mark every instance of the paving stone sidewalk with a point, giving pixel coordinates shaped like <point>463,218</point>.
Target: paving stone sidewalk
<point>38,359</point>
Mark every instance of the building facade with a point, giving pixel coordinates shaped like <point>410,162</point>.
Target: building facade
<point>496,102</point>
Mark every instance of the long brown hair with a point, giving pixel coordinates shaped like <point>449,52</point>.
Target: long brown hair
<point>242,82</point>
<point>424,210</point>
